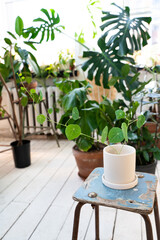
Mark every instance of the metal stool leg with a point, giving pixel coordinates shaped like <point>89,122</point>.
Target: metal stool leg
<point>96,207</point>
<point>149,232</point>
<point>50,122</point>
<point>156,216</point>
<point>97,222</point>
<point>76,220</point>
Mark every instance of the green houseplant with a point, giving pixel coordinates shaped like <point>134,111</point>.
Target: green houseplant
<point>123,35</point>
<point>9,70</point>
<point>85,121</point>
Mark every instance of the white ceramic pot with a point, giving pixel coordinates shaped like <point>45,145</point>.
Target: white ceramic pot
<point>119,166</point>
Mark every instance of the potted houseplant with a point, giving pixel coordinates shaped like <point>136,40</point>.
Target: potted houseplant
<point>94,120</point>
<point>115,65</point>
<point>19,71</point>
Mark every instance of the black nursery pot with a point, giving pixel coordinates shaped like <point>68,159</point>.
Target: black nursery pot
<point>149,168</point>
<point>21,154</point>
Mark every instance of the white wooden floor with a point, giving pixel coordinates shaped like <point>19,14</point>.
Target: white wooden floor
<point>36,202</point>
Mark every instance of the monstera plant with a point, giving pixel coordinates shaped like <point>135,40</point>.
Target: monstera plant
<point>122,37</point>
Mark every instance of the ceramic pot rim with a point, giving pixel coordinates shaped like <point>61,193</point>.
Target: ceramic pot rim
<point>131,149</point>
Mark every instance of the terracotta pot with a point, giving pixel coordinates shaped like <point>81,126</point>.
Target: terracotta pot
<point>31,85</point>
<point>87,161</point>
<point>151,127</point>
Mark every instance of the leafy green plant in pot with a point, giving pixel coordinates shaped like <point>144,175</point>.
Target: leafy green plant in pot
<point>20,147</point>
<point>123,35</point>
<point>85,121</point>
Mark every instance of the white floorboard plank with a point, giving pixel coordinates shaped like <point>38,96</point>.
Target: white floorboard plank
<point>48,169</point>
<point>128,226</point>
<point>53,221</point>
<point>10,215</point>
<point>30,172</point>
<point>106,224</point>
<point>22,229</point>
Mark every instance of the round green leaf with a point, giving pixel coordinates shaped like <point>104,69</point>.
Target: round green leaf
<point>50,110</point>
<point>41,118</point>
<point>120,114</point>
<point>19,26</point>
<point>104,134</point>
<point>72,131</point>
<point>140,121</point>
<point>115,135</point>
<point>84,143</point>
<point>32,91</point>
<point>75,113</point>
<point>125,132</point>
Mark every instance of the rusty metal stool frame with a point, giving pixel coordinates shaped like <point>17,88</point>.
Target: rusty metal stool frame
<point>141,199</point>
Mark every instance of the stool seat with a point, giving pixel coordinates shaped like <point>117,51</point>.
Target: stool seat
<point>141,199</point>
<point>138,199</point>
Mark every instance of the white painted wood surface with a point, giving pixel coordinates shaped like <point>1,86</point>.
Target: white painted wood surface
<point>36,202</point>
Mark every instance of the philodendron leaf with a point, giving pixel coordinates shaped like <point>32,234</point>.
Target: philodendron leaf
<point>84,143</point>
<point>115,135</point>
<point>104,134</point>
<point>146,156</point>
<point>140,121</point>
<point>124,130</point>
<point>120,114</point>
<point>113,81</point>
<point>157,155</point>
<point>72,131</point>
<point>19,26</point>
<point>41,118</point>
<point>75,113</point>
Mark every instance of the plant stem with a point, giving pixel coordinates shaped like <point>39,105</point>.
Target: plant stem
<point>12,104</point>
<point>76,41</point>
<point>19,104</point>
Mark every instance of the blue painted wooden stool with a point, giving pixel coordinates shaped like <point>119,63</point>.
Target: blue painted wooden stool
<point>141,199</point>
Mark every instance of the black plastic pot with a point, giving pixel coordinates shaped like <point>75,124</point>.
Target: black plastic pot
<point>149,168</point>
<point>21,154</point>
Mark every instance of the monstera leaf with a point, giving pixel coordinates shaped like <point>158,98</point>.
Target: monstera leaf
<point>105,64</point>
<point>46,29</point>
<point>122,37</point>
<point>131,33</point>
